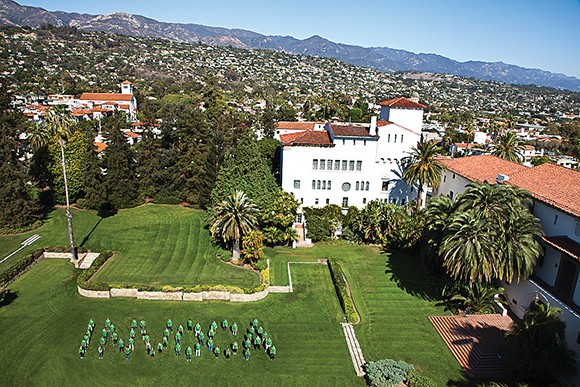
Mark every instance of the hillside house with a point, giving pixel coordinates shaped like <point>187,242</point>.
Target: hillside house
<point>124,101</point>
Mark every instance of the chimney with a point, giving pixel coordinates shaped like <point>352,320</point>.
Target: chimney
<point>373,128</point>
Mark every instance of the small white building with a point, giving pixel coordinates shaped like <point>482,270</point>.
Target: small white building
<point>124,101</point>
<point>556,194</point>
<point>351,164</point>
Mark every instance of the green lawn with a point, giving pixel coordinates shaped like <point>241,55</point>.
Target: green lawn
<point>153,244</point>
<point>41,329</point>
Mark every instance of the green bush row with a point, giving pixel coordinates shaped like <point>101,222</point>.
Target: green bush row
<point>339,281</point>
<point>85,276</point>
<point>24,264</point>
<point>414,379</point>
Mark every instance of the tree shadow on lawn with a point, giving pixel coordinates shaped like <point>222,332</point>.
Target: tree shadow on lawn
<point>8,298</point>
<point>406,271</point>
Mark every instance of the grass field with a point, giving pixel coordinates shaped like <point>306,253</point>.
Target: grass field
<point>153,244</point>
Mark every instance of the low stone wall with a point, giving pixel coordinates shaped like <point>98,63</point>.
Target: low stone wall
<point>119,292</point>
<point>250,297</point>
<point>213,295</point>
<point>166,296</point>
<point>93,293</point>
<point>48,254</point>
<point>192,297</point>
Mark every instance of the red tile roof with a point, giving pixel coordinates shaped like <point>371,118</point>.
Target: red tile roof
<point>350,131</point>
<point>402,102</point>
<point>132,134</point>
<point>552,184</point>
<point>383,123</point>
<point>106,97</point>
<point>307,138</point>
<point>564,244</point>
<point>125,83</point>
<point>101,146</point>
<point>482,168</point>
<point>291,125</point>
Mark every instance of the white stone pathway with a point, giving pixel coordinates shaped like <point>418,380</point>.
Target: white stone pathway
<point>353,345</point>
<point>87,260</point>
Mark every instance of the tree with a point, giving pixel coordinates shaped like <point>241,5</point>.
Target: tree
<point>423,169</point>
<point>277,219</point>
<point>18,208</point>
<point>507,147</point>
<point>252,246</point>
<point>537,346</point>
<point>491,235</point>
<point>93,180</point>
<point>59,126</point>
<point>232,218</point>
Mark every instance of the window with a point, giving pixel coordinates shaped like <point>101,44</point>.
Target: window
<point>298,218</point>
<point>343,142</point>
<point>451,194</point>
<point>329,165</point>
<point>351,165</point>
<point>444,178</point>
<point>345,202</point>
<point>367,186</point>
<point>301,200</point>
<point>394,201</point>
<point>297,184</point>
<point>328,185</point>
<point>322,164</point>
<point>327,201</point>
<point>315,164</point>
<point>318,184</point>
<point>365,143</point>
<point>453,177</point>
<point>336,165</point>
<point>403,201</point>
<point>345,186</point>
<point>401,138</point>
<point>344,165</point>
<point>357,185</point>
<point>323,184</point>
<point>316,201</point>
<point>555,219</point>
<point>389,137</point>
<point>577,229</point>
<point>364,200</point>
<point>313,184</point>
<point>395,138</point>
<point>385,186</point>
<point>359,165</point>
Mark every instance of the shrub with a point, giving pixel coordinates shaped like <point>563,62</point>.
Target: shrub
<point>85,276</point>
<point>169,289</point>
<point>260,265</point>
<point>339,281</point>
<point>10,274</point>
<point>414,379</point>
<point>386,372</point>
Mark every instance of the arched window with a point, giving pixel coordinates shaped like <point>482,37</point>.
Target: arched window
<point>367,187</point>
<point>318,184</point>
<point>313,184</point>
<point>328,186</point>
<point>323,184</point>
<point>357,185</point>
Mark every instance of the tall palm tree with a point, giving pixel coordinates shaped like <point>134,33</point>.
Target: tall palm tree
<point>537,346</point>
<point>233,218</point>
<point>423,169</point>
<point>58,126</point>
<point>507,147</point>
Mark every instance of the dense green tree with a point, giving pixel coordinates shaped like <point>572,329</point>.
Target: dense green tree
<point>74,153</point>
<point>423,169</point>
<point>507,147</point>
<point>232,218</point>
<point>277,218</point>
<point>119,163</point>
<point>18,208</point>
<point>322,223</point>
<point>252,246</point>
<point>93,180</point>
<point>537,347</point>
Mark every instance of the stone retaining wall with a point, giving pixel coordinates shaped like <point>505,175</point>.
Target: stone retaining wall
<point>166,296</point>
<point>93,293</point>
<point>119,292</point>
<point>48,254</point>
<point>250,297</point>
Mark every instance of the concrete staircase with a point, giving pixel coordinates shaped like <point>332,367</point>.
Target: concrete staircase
<point>356,355</point>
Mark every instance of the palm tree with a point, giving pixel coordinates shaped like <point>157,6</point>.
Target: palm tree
<point>537,346</point>
<point>423,169</point>
<point>233,218</point>
<point>507,147</point>
<point>58,126</point>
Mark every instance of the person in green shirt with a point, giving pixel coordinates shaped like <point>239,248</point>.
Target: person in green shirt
<point>112,328</point>
<point>227,353</point>
<point>121,345</point>
<point>178,337</point>
<point>247,354</point>
<point>115,339</point>
<point>268,343</point>
<point>251,330</point>
<point>134,325</point>
<point>216,351</point>
<point>84,343</point>
<point>272,352</point>
<point>148,348</point>
<point>188,353</point>
<point>89,329</point>
<point>250,337</point>
<point>197,329</point>
<point>152,353</point>
<point>225,325</point>
<point>260,330</point>
<point>200,337</point>
<point>164,341</point>
<point>235,348</point>
<point>101,352</point>
<point>166,332</point>
<point>189,325</point>
<point>255,323</point>
<point>180,329</point>
<point>247,343</point>
<point>235,328</point>
<point>86,339</point>
<point>108,323</point>
<point>132,334</point>
<point>178,349</point>
<point>146,339</point>
<point>197,349</point>
<point>128,353</point>
<point>103,342</point>
<point>257,342</point>
<point>170,325</point>
<point>142,323</point>
<point>81,352</point>
<point>160,348</point>
<point>104,333</point>
<point>214,326</point>
<point>92,324</point>
<point>131,344</point>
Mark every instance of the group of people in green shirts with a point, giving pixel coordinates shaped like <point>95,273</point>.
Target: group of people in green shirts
<point>254,337</point>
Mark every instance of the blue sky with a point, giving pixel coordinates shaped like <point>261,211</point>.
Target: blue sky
<point>538,34</point>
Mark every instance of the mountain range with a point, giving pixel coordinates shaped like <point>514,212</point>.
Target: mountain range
<point>381,58</point>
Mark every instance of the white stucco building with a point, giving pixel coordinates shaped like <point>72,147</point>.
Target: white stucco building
<point>351,164</point>
<point>556,194</point>
<point>124,101</point>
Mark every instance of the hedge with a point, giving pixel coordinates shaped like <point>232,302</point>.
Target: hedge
<point>339,281</point>
<point>11,274</point>
<point>85,276</point>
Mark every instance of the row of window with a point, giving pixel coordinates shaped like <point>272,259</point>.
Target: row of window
<point>337,165</point>
<point>317,184</point>
<point>362,186</point>
<point>395,140</point>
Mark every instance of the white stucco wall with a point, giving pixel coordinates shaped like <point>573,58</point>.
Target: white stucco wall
<point>564,224</point>
<point>451,182</point>
<point>548,272</point>
<point>408,118</point>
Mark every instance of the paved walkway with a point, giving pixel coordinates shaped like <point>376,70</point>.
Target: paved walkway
<point>353,345</point>
<point>86,261</point>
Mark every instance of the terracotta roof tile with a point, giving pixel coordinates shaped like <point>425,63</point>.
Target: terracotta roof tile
<point>381,123</point>
<point>402,102</point>
<point>482,168</point>
<point>552,184</point>
<point>101,146</point>
<point>291,125</point>
<point>132,135</point>
<point>564,244</point>
<point>307,138</point>
<point>350,131</point>
<point>106,97</point>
